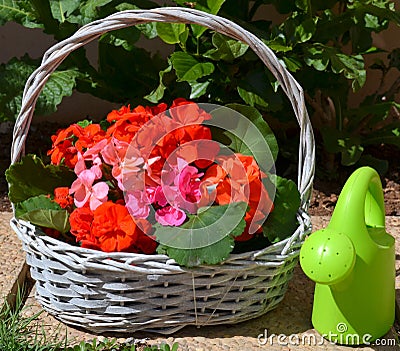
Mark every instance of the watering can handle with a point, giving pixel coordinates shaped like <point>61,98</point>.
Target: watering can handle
<point>360,203</point>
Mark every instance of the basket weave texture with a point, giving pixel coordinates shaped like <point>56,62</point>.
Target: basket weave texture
<point>126,292</point>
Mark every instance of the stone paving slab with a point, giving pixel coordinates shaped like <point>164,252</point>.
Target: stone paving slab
<point>292,317</point>
<point>12,256</point>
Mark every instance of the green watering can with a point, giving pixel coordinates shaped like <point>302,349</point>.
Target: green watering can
<point>352,262</point>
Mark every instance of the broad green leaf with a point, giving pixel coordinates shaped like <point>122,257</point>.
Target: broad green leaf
<point>210,6</point>
<point>30,177</point>
<point>61,9</point>
<point>349,146</point>
<point>299,28</point>
<point>170,32</point>
<point>226,49</point>
<point>212,254</point>
<point>282,221</point>
<point>292,63</point>
<point>206,227</point>
<point>126,37</point>
<point>189,69</point>
<point>148,29</point>
<point>279,44</point>
<point>90,10</point>
<point>13,77</point>
<point>203,232</point>
<point>316,57</point>
<point>198,89</point>
<point>252,98</point>
<point>250,135</point>
<point>258,88</point>
<point>352,68</point>
<point>42,211</point>
<point>21,12</point>
<point>127,75</point>
<point>157,94</point>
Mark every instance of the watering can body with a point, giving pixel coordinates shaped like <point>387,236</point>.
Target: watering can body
<point>352,262</point>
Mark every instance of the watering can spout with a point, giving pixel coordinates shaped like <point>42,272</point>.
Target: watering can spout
<point>352,262</point>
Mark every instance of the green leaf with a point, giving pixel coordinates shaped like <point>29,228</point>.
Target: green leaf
<point>61,9</point>
<point>127,75</point>
<point>349,146</point>
<point>126,37</point>
<point>299,28</point>
<point>90,10</point>
<point>198,89</point>
<point>13,77</point>
<point>42,211</point>
<point>292,63</point>
<point>170,32</point>
<point>21,12</point>
<point>279,44</point>
<point>213,254</point>
<point>226,49</point>
<point>157,94</point>
<point>189,69</point>
<point>282,222</point>
<point>148,29</point>
<point>30,177</point>
<point>206,237</point>
<point>258,89</point>
<point>252,98</point>
<point>352,67</point>
<point>249,136</point>
<point>209,6</point>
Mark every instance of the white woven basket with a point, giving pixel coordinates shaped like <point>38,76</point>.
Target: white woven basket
<point>126,292</point>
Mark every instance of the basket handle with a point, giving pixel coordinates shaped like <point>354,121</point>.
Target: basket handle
<point>57,53</point>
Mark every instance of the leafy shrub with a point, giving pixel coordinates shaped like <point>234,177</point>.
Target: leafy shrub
<point>323,43</point>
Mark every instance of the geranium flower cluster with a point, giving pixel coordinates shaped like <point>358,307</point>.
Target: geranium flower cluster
<point>146,166</point>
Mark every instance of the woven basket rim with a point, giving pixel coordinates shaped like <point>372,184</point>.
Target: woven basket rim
<point>249,255</point>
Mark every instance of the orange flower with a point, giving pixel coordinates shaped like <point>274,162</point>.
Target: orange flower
<point>80,221</point>
<point>126,123</point>
<point>67,142</point>
<point>63,198</point>
<point>89,136</point>
<point>230,187</point>
<point>115,230</point>
<point>63,149</point>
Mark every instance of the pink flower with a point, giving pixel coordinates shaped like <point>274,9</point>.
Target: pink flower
<point>137,203</point>
<point>84,190</point>
<point>184,192</point>
<point>170,216</point>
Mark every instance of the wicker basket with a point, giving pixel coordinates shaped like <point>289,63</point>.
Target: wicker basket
<point>126,292</point>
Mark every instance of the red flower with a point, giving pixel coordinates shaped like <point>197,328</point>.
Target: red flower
<point>80,221</point>
<point>126,123</point>
<point>111,228</point>
<point>63,149</point>
<point>62,197</point>
<point>67,142</point>
<point>233,188</point>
